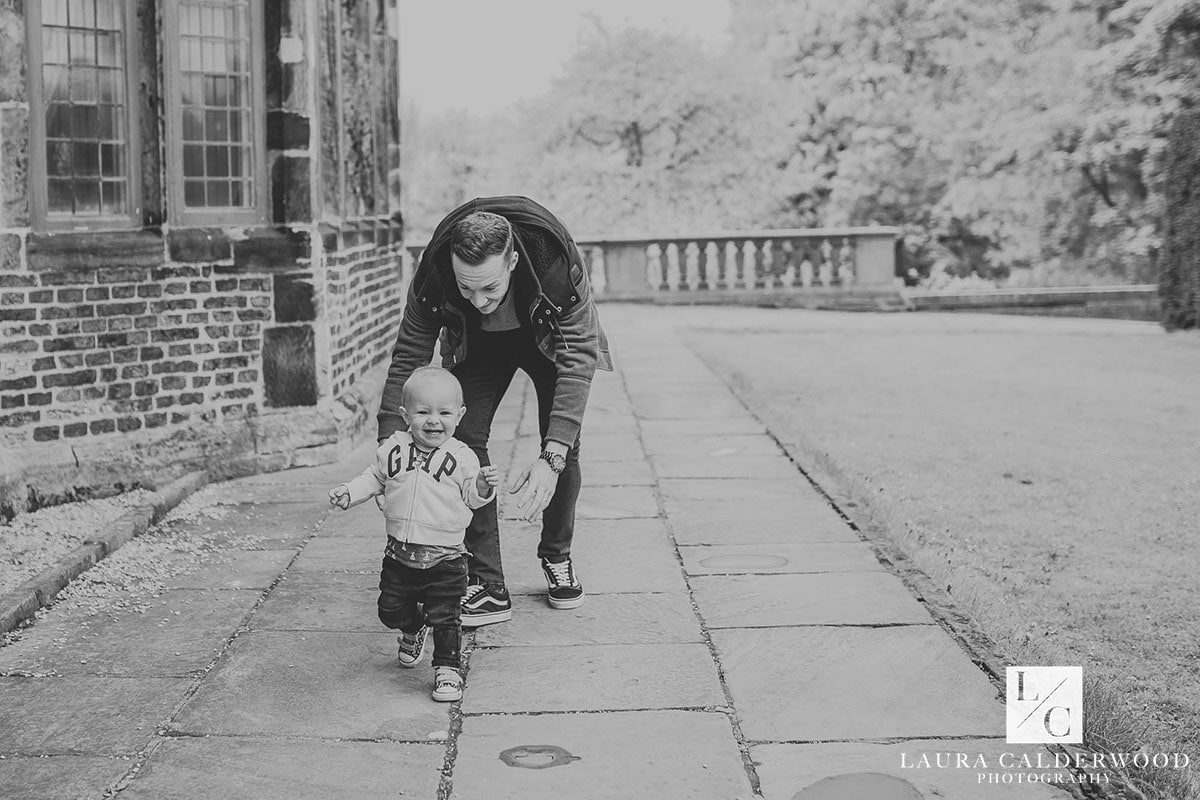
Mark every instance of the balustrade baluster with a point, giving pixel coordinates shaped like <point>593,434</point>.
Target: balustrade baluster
<point>778,263</point>
<point>702,264</point>
<point>656,268</point>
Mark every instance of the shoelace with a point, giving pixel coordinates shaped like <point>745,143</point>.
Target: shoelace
<point>447,680</point>
<point>561,572</point>
<point>473,591</point>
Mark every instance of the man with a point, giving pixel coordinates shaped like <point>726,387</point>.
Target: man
<point>504,284</point>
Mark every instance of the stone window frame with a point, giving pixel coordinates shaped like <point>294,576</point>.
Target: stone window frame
<point>40,217</point>
<point>177,212</point>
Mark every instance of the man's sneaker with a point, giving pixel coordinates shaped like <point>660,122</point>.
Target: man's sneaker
<point>412,647</point>
<point>481,606</point>
<point>563,589</point>
<point>447,684</point>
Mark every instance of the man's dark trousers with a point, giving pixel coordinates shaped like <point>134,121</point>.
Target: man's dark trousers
<point>485,375</point>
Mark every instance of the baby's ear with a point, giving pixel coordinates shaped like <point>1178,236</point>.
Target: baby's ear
<point>404,415</point>
<point>461,413</point>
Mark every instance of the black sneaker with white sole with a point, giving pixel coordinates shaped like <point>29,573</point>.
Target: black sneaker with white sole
<point>482,605</point>
<point>563,588</point>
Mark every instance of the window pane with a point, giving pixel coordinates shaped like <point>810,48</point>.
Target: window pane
<point>87,198</point>
<point>58,121</point>
<point>193,193</point>
<point>83,91</point>
<point>215,93</point>
<point>59,197</point>
<point>112,197</point>
<point>85,159</point>
<point>218,193</point>
<point>193,161</point>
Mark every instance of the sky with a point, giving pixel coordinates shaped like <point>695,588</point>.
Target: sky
<point>485,54</point>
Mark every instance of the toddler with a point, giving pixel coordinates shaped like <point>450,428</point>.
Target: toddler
<point>430,483</point>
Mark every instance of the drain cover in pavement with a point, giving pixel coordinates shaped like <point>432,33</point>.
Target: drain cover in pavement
<point>745,561</point>
<point>536,756</point>
<point>860,786</point>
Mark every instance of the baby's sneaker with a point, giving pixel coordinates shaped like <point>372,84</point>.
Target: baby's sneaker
<point>412,647</point>
<point>447,684</point>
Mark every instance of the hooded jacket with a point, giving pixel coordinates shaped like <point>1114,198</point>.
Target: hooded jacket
<point>425,500</point>
<point>554,302</point>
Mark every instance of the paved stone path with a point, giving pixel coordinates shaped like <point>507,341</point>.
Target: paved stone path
<point>738,640</point>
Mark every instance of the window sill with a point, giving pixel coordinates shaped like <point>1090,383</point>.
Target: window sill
<point>77,250</point>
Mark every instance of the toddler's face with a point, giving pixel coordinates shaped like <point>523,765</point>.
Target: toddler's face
<point>433,413</point>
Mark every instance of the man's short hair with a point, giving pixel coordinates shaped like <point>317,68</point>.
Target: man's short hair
<point>427,374</point>
<point>479,236</point>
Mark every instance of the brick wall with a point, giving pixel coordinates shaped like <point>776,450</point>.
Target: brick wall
<point>365,297</point>
<point>102,352</point>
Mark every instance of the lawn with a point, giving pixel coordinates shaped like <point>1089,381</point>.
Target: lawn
<point>1046,470</point>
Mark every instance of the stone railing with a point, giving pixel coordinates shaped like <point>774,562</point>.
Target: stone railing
<point>739,262</point>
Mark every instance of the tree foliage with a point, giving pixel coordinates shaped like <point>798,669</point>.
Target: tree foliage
<point>1025,139</point>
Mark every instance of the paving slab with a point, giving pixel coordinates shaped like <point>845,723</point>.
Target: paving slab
<point>771,467</point>
<point>609,447</point>
<point>601,502</point>
<point>681,755</point>
<point>119,716</point>
<point>795,519</point>
<point>634,472</point>
<point>744,424</point>
<point>602,619</point>
<point>731,490</point>
<point>247,569</point>
<point>785,770</point>
<point>361,554</point>
<point>322,601</point>
<point>37,778</point>
<point>712,445</point>
<point>855,683</point>
<point>220,768</point>
<point>178,634</point>
<point>308,494</point>
<point>606,418</point>
<point>830,598</point>
<point>611,555</point>
<point>316,684</point>
<point>714,407</point>
<point>760,559</point>
<point>591,678</point>
<point>248,526</point>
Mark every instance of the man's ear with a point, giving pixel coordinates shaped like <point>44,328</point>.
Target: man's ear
<point>512,260</point>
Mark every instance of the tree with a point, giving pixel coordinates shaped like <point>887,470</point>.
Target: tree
<point>1179,285</point>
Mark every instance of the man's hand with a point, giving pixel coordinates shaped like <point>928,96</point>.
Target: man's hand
<point>340,496</point>
<point>536,484</point>
<point>487,479</point>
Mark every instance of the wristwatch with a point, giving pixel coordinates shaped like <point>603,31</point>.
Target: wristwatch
<point>557,463</point>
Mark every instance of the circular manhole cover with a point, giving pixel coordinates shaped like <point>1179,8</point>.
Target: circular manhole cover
<point>860,786</point>
<point>536,756</point>
<point>744,561</point>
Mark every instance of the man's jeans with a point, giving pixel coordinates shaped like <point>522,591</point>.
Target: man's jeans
<point>440,589</point>
<point>485,376</point>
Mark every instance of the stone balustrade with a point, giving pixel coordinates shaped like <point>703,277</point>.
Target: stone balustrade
<point>771,261</point>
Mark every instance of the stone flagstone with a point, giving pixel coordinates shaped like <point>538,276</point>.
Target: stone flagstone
<point>315,684</point>
<point>591,678</point>
<point>36,778</point>
<point>784,770</point>
<point>322,601</point>
<point>790,520</point>
<point>830,598</point>
<point>679,755</point>
<point>779,558</point>
<point>221,768</point>
<point>602,619</point>
<point>855,683</point>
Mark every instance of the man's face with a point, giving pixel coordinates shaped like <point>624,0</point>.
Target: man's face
<point>484,285</point>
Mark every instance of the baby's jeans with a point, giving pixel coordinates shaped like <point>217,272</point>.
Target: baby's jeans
<point>440,589</point>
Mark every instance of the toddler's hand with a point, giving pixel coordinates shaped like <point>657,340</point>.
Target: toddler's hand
<point>487,479</point>
<point>340,496</point>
